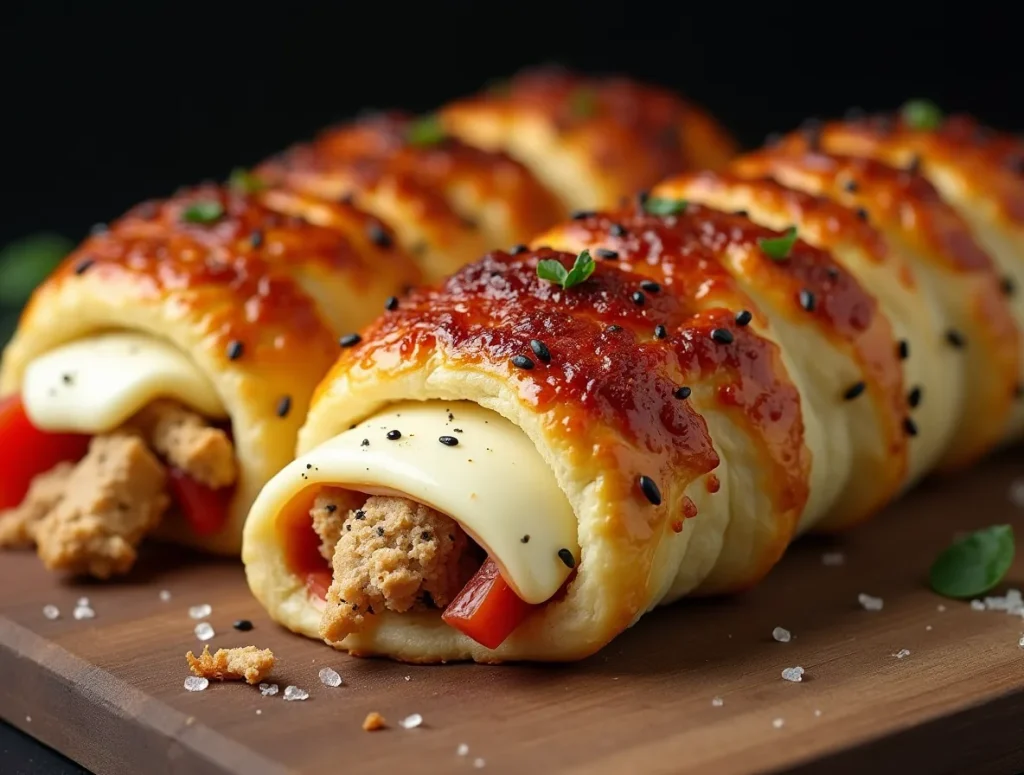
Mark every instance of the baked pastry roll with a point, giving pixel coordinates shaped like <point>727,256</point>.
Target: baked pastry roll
<point>448,202</point>
<point>159,376</point>
<point>978,171</point>
<point>590,140</point>
<point>528,457</point>
<point>938,288</point>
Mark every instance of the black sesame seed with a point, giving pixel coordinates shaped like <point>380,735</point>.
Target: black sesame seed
<point>582,215</point>
<point>515,251</point>
<point>650,490</point>
<point>394,435</point>
<point>540,350</point>
<point>256,238</point>
<point>67,379</point>
<point>380,532</point>
<point>617,230</point>
<point>364,443</point>
<point>638,298</point>
<point>611,255</point>
<point>613,329</point>
<point>650,286</point>
<point>243,625</point>
<point>856,389</point>
<point>832,272</point>
<point>682,393</point>
<point>525,539</point>
<point>910,427</point>
<point>741,213</point>
<point>850,185</point>
<point>566,557</point>
<point>522,362</point>
<point>425,535</point>
<point>642,197</point>
<point>914,397</point>
<point>448,441</point>
<point>955,338</point>
<point>862,213</point>
<point>235,349</point>
<point>743,317</point>
<point>722,335</point>
<point>1008,286</point>
<point>807,300</point>
<point>284,406</point>
<point>378,235</point>
<point>360,514</point>
<point>660,332</point>
<point>350,340</point>
<point>903,348</point>
<point>391,304</point>
<point>83,266</point>
<point>331,508</point>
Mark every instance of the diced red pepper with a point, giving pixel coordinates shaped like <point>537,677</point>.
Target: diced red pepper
<point>487,609</point>
<point>205,509</point>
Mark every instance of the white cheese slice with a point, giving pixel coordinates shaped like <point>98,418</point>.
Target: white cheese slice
<point>493,482</point>
<point>94,385</point>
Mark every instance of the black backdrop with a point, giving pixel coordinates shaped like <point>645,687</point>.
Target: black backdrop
<point>107,103</point>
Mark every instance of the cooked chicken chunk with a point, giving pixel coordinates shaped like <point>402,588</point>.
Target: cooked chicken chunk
<point>17,525</point>
<point>187,441</point>
<point>392,553</point>
<point>247,663</point>
<point>112,498</point>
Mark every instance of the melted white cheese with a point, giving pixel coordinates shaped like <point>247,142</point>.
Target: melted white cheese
<point>494,483</point>
<point>94,385</point>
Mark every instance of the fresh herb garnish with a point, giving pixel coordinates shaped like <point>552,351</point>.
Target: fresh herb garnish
<point>205,211</point>
<point>583,102</point>
<point>426,130</point>
<point>246,182</point>
<point>657,205</point>
<point>921,114</point>
<point>777,248</point>
<point>974,564</point>
<point>553,271</point>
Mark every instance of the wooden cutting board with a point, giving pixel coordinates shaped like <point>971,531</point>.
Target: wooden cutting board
<point>108,692</point>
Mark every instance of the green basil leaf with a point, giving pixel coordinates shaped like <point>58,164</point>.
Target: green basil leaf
<point>427,130</point>
<point>206,211</point>
<point>552,271</point>
<point>582,268</point>
<point>657,205</point>
<point>245,181</point>
<point>777,248</point>
<point>583,102</point>
<point>26,262</point>
<point>974,564</point>
<point>922,114</point>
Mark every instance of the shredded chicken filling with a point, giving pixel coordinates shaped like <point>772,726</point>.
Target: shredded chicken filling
<point>391,553</point>
<point>89,517</point>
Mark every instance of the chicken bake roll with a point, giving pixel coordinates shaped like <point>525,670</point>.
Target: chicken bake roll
<point>519,464</point>
<point>159,377</point>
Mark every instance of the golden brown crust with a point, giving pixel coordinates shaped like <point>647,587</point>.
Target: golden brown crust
<point>449,201</point>
<point>245,286</point>
<point>623,136</point>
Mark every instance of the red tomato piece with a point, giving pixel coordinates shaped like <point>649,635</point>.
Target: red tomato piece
<point>26,451</point>
<point>205,509</point>
<point>487,609</point>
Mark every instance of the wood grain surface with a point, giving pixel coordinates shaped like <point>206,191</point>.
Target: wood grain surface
<point>108,692</point>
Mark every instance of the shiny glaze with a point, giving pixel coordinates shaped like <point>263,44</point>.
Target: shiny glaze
<point>374,155</point>
<point>244,292</point>
<point>989,162</point>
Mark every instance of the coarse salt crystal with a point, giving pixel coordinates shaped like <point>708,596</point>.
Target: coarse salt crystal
<point>869,603</point>
<point>165,595</point>
<point>28,719</point>
<point>83,602</point>
<point>204,631</point>
<point>200,611</point>
<point>268,690</point>
<point>928,628</point>
<point>794,674</point>
<point>940,608</point>
<point>408,678</point>
<point>777,723</point>
<point>295,693</point>
<point>902,653</point>
<point>259,712</point>
<point>1017,493</point>
<point>196,684</point>
<point>1021,642</point>
<point>781,634</point>
<point>462,750</point>
<point>412,721</point>
<point>833,559</point>
<point>51,612</point>
<point>479,763</point>
<point>977,605</point>
<point>717,702</point>
<point>329,677</point>
<point>817,713</point>
<point>83,612</point>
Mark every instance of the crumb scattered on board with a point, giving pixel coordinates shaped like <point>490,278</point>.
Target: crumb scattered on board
<point>248,663</point>
<point>373,722</point>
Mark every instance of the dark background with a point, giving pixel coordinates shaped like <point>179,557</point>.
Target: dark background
<point>107,103</point>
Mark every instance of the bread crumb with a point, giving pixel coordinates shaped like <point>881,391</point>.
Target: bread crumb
<point>373,722</point>
<point>248,663</point>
